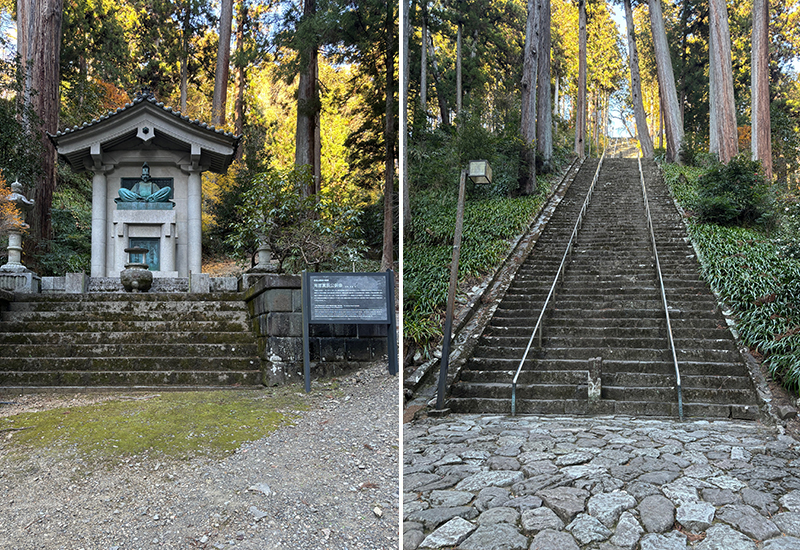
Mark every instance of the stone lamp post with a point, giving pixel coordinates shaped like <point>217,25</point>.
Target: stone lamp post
<point>479,172</point>
<point>264,256</point>
<point>14,264</point>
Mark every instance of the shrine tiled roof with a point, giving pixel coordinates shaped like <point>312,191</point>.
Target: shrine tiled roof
<point>140,98</point>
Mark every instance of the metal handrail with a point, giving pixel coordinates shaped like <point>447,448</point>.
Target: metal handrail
<point>567,253</point>
<point>663,292</point>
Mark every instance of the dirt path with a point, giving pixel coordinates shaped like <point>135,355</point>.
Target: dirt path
<point>329,481</point>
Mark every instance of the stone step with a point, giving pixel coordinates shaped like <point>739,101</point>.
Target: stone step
<point>116,339</point>
<point>609,306</point>
<point>655,330</point>
<point>130,350</point>
<point>196,336</point>
<point>144,315</point>
<point>130,379</point>
<point>128,364</point>
<point>554,342</point>
<point>123,297</point>
<point>184,325</point>
<point>123,306</point>
<point>610,366</point>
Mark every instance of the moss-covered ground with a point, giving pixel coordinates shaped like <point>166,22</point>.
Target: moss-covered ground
<point>172,424</point>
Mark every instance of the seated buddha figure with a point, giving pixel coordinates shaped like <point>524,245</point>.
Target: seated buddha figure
<point>145,190</point>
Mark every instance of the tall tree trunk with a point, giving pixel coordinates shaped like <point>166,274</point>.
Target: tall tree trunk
<point>308,107</point>
<point>761,140</point>
<point>529,75</point>
<point>423,72</point>
<point>444,110</point>
<point>580,113</point>
<point>684,38</point>
<point>666,80</point>
<point>39,47</point>
<point>223,64</point>
<point>387,256</point>
<point>405,31</point>
<point>187,20</point>
<point>724,102</point>
<point>556,99</point>
<point>458,68</point>
<point>241,77</point>
<point>642,132</point>
<point>713,82</point>
<point>544,109</point>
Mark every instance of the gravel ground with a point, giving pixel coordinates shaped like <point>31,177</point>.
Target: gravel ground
<point>330,481</point>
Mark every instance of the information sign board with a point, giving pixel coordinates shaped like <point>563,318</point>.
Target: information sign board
<point>349,298</point>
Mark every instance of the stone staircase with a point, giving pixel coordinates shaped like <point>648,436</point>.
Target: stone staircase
<point>608,313</point>
<point>115,339</point>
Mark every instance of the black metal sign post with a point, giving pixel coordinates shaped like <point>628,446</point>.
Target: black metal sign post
<point>349,299</point>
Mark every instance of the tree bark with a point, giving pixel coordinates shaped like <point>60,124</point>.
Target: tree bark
<point>387,256</point>
<point>39,47</point>
<point>405,31</point>
<point>580,112</point>
<point>556,99</point>
<point>713,80</point>
<point>761,140</point>
<point>529,76</point>
<point>187,20</point>
<point>423,73</point>
<point>684,38</point>
<point>724,102</point>
<point>444,110</point>
<point>666,80</point>
<point>308,107</point>
<point>458,68</point>
<point>642,132</point>
<point>544,109</point>
<point>241,78</point>
<point>223,64</point>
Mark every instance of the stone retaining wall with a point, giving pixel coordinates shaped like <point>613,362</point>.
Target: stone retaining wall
<point>275,304</point>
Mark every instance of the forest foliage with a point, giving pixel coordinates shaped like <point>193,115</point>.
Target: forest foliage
<point>111,50</point>
<point>754,268</point>
<point>441,141</point>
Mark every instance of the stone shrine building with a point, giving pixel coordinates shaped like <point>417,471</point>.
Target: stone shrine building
<point>147,162</point>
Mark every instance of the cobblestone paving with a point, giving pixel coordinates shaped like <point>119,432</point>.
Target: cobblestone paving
<point>604,483</point>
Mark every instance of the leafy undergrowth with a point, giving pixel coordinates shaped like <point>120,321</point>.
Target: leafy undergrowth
<point>177,425</point>
<point>489,224</point>
<point>757,273</point>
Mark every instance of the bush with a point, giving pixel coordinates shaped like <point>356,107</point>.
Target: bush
<point>70,249</point>
<point>735,194</point>
<point>301,232</point>
<point>488,226</point>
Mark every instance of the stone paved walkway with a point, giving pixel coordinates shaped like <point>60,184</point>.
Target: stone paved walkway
<point>477,482</point>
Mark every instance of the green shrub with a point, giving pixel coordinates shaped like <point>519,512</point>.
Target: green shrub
<point>488,226</point>
<point>70,249</point>
<point>735,194</point>
<point>762,286</point>
<point>312,232</point>
<point>757,273</point>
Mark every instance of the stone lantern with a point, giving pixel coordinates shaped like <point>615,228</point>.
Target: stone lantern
<point>14,276</point>
<point>14,264</point>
